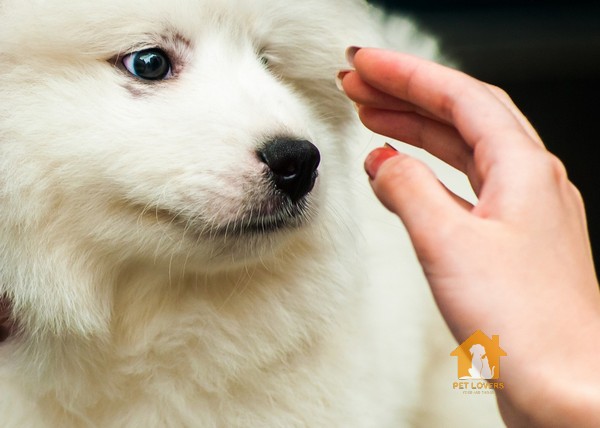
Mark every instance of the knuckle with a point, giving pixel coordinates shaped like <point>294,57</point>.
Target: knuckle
<point>557,168</point>
<point>547,167</point>
<point>499,92</point>
<point>447,103</point>
<point>577,196</point>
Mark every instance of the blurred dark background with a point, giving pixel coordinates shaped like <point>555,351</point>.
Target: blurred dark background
<point>546,55</point>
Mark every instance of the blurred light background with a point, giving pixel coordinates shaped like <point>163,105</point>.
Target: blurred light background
<point>546,55</point>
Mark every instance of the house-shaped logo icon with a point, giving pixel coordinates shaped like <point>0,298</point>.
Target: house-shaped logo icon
<point>479,357</point>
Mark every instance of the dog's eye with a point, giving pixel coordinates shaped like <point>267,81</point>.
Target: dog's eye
<point>264,57</point>
<point>148,64</point>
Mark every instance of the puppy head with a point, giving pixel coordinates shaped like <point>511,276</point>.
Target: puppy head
<point>163,132</point>
<point>477,350</point>
<point>141,127</point>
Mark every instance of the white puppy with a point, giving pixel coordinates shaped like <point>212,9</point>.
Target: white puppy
<point>186,236</point>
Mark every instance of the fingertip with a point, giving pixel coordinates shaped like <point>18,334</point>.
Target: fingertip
<point>409,188</point>
<point>376,158</point>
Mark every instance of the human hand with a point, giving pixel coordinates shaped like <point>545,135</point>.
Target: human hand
<point>518,263</point>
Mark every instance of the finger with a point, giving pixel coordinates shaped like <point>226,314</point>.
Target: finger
<point>451,95</point>
<point>380,155</point>
<point>436,138</point>
<point>362,93</point>
<point>410,189</point>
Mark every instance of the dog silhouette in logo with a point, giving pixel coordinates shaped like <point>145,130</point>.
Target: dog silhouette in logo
<point>480,366</point>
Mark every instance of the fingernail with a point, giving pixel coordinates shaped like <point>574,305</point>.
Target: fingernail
<point>339,77</point>
<point>350,53</point>
<point>376,158</point>
<point>389,146</point>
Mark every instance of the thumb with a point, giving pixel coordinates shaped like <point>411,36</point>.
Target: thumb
<point>410,189</point>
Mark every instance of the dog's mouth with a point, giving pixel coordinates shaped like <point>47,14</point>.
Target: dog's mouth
<point>277,214</point>
<point>272,214</point>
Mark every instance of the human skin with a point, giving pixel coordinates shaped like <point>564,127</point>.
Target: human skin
<point>516,264</point>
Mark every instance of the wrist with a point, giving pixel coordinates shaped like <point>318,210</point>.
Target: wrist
<point>559,389</point>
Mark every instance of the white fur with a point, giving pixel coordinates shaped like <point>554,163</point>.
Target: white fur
<point>132,310</point>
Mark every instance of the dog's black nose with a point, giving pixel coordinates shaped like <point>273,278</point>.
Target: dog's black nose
<point>293,164</point>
